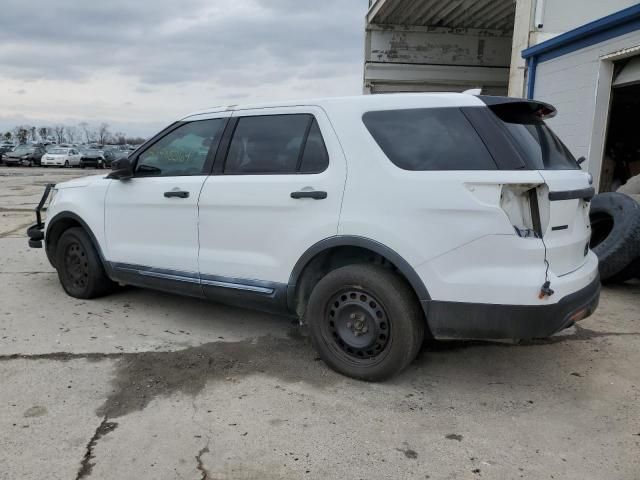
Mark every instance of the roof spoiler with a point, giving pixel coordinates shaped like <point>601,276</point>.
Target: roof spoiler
<point>541,110</point>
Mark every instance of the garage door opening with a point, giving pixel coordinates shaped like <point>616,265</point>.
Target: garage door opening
<point>622,148</point>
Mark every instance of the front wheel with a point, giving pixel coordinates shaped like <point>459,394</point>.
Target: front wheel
<point>365,322</point>
<point>79,267</point>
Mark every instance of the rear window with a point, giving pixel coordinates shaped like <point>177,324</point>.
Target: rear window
<point>540,148</point>
<point>428,139</point>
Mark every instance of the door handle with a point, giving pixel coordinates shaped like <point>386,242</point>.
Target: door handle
<point>315,194</point>
<point>176,194</point>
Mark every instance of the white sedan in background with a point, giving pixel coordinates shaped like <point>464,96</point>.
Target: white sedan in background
<point>61,157</point>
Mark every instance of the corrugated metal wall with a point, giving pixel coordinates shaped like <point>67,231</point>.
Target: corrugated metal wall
<point>571,83</point>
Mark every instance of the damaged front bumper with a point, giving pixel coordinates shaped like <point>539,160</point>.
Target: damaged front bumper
<point>36,231</point>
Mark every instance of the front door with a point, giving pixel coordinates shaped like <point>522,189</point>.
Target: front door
<point>151,220</point>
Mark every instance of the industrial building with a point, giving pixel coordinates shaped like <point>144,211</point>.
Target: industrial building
<point>583,56</point>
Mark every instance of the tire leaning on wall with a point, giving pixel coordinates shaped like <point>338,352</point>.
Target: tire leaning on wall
<point>615,233</point>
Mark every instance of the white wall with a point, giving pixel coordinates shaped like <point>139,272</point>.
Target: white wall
<point>559,16</point>
<point>556,17</point>
<point>574,83</point>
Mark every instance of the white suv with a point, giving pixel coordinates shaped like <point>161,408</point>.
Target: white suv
<point>377,220</point>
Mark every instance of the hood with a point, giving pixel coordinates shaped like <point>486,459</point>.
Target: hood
<point>19,154</point>
<point>80,182</point>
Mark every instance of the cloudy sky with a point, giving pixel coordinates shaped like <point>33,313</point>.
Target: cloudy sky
<point>139,65</point>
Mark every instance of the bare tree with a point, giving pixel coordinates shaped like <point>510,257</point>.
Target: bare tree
<point>87,131</point>
<point>72,134</point>
<point>32,133</point>
<point>8,136</point>
<point>120,138</point>
<point>58,131</point>
<point>43,132</point>
<point>103,133</point>
<point>21,133</point>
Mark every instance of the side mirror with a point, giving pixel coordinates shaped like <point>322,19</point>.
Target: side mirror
<point>121,169</point>
<point>581,160</point>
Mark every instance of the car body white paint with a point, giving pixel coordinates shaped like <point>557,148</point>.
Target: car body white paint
<point>448,225</point>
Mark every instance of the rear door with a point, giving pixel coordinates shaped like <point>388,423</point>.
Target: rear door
<point>277,191</point>
<point>563,200</point>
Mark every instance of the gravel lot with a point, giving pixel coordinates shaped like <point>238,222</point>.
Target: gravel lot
<point>147,385</point>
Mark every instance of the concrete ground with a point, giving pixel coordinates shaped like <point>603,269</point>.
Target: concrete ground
<point>147,385</point>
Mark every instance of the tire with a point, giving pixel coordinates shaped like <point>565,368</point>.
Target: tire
<point>82,165</point>
<point>627,273</point>
<point>66,164</point>
<point>615,232</point>
<point>365,322</point>
<point>80,269</point>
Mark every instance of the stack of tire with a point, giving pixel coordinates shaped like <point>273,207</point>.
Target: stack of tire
<point>615,233</point>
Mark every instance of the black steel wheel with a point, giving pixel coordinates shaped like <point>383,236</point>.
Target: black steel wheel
<point>365,322</point>
<point>79,266</point>
<point>76,265</point>
<point>356,325</point>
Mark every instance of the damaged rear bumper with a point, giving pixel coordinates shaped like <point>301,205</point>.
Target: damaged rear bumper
<point>459,320</point>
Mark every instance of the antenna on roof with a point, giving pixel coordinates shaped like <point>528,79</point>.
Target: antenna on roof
<point>473,91</point>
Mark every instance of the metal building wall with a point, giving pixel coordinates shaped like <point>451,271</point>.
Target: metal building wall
<point>438,45</point>
<point>579,85</point>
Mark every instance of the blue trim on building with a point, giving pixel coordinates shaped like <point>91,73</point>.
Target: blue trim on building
<point>611,26</point>
<point>598,31</point>
<point>532,63</point>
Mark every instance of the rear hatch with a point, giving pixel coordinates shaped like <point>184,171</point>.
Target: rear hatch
<point>563,198</point>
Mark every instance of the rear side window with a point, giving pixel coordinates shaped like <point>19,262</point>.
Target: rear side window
<point>428,139</point>
<point>276,144</point>
<point>540,148</point>
<point>315,158</point>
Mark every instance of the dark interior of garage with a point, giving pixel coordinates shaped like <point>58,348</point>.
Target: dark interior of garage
<point>622,151</point>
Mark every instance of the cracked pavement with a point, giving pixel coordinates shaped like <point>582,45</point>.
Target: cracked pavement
<point>148,385</point>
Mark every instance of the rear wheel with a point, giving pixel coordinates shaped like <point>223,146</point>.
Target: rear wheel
<point>365,322</point>
<point>79,267</point>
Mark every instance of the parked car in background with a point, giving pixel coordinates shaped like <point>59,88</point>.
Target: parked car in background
<point>113,154</point>
<point>27,155</point>
<point>61,157</point>
<point>91,157</point>
<point>5,147</point>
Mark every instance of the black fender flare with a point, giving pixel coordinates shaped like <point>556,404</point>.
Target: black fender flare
<point>356,241</point>
<point>73,216</point>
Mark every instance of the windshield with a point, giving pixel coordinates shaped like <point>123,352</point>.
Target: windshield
<point>540,148</point>
<point>58,151</point>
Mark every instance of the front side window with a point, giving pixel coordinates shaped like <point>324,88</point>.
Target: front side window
<point>182,151</point>
<point>276,144</point>
<point>428,139</point>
